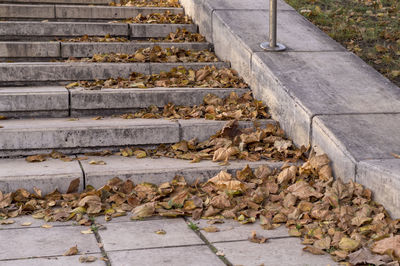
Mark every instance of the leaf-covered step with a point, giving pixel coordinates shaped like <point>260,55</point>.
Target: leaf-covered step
<point>78,12</point>
<point>27,137</point>
<point>64,2</point>
<point>12,74</point>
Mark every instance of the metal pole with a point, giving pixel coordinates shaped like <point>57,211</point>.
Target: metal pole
<point>272,46</point>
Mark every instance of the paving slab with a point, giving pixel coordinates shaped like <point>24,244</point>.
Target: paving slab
<point>8,11</point>
<point>130,100</point>
<point>158,170</point>
<point>157,30</point>
<point>108,12</point>
<point>275,252</point>
<point>47,175</point>
<point>42,242</point>
<point>141,235</point>
<point>29,49</point>
<point>179,256</point>
<point>19,30</point>
<point>52,261</point>
<point>202,129</point>
<point>35,223</point>
<point>383,177</point>
<point>232,230</point>
<point>89,49</point>
<point>34,101</point>
<point>27,136</point>
<point>348,139</point>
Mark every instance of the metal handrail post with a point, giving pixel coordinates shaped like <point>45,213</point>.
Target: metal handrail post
<point>272,46</point>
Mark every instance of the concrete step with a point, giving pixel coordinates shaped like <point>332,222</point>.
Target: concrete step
<point>57,101</point>
<point>17,51</point>
<point>71,12</point>
<point>17,74</point>
<point>33,30</point>
<point>71,136</point>
<point>52,174</point>
<point>64,2</point>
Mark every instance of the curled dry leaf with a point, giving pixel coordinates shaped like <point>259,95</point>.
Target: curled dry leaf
<point>257,239</point>
<point>388,245</point>
<point>87,259</point>
<point>72,251</point>
<point>210,229</point>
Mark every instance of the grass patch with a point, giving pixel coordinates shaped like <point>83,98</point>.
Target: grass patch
<point>369,28</point>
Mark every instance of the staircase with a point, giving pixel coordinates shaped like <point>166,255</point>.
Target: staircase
<point>44,113</point>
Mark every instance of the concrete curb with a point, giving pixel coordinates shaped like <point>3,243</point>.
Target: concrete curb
<point>321,94</point>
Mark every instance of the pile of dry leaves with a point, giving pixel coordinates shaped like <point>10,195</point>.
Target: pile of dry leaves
<point>206,77</point>
<point>153,54</point>
<point>157,18</point>
<point>243,107</point>
<point>146,3</point>
<point>330,216</point>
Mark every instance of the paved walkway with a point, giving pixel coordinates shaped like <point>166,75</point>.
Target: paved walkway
<point>125,242</point>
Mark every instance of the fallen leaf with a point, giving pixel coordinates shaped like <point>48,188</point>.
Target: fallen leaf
<point>47,226</point>
<point>349,244</point>
<point>97,162</point>
<point>87,259</point>
<point>365,256</point>
<point>210,229</point>
<point>257,239</point>
<point>73,186</point>
<point>388,244</point>
<point>26,224</point>
<point>160,232</point>
<point>72,251</point>
<point>314,250</point>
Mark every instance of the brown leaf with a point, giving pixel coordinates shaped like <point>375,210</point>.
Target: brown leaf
<point>143,211</point>
<point>87,259</point>
<point>92,202</point>
<point>210,229</point>
<point>364,256</point>
<point>348,244</point>
<point>257,239</point>
<point>314,250</point>
<point>72,251</point>
<point>388,244</point>
<point>73,186</point>
<point>303,190</point>
<point>36,158</point>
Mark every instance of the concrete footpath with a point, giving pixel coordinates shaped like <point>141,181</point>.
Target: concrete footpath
<point>155,241</point>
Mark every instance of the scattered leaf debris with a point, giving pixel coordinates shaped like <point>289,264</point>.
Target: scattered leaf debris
<point>158,18</point>
<point>153,54</point>
<point>206,77</point>
<point>146,3</point>
<point>257,239</point>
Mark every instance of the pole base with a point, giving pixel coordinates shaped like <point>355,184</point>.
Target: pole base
<point>278,48</point>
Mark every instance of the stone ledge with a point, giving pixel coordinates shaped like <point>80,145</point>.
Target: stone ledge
<point>315,82</point>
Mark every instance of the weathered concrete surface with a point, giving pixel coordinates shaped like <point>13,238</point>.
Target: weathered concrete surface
<point>45,242</point>
<point>231,230</point>
<point>159,170</point>
<point>54,133</point>
<point>299,85</point>
<point>141,234</point>
<point>47,176</point>
<point>26,11</point>
<point>52,261</point>
<point>108,12</point>
<point>45,30</point>
<point>177,256</point>
<point>34,101</point>
<point>89,49</point>
<point>123,100</point>
<point>275,252</point>
<point>348,139</point>
<point>35,223</point>
<point>383,177</point>
<point>201,128</point>
<point>29,73</point>
<point>29,49</point>
<point>157,30</point>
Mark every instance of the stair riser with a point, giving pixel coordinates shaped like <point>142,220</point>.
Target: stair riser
<point>41,51</point>
<point>61,12</point>
<point>15,74</point>
<point>30,31</point>
<point>52,174</point>
<point>22,102</point>
<point>17,138</point>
